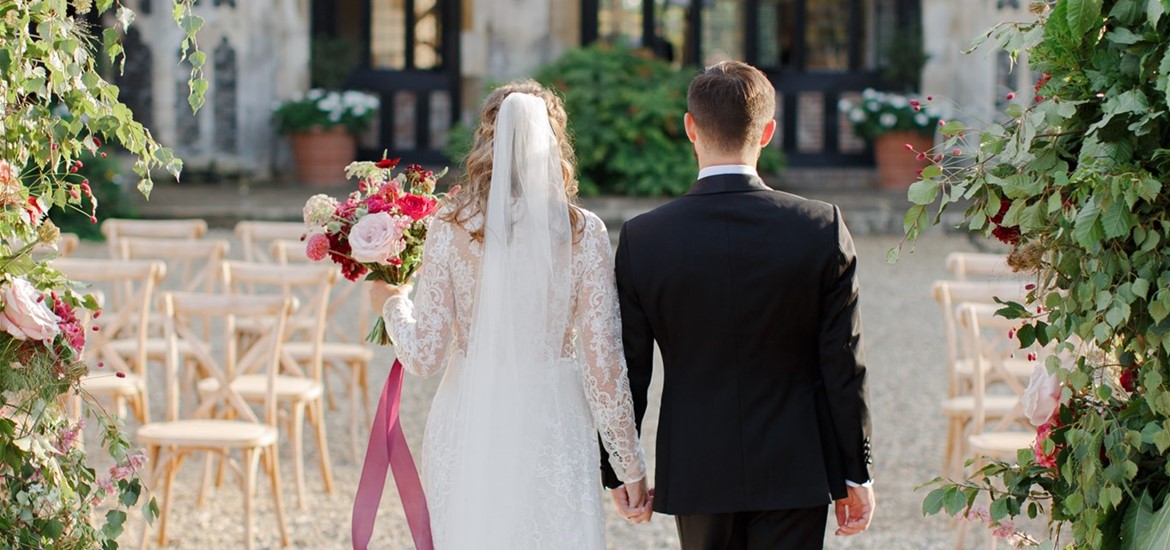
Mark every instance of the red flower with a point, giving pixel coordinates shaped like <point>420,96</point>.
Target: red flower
<point>416,207</point>
<point>1129,378</point>
<point>388,163</point>
<point>379,203</point>
<point>339,252</point>
<point>1042,459</point>
<point>416,173</point>
<point>1006,234</point>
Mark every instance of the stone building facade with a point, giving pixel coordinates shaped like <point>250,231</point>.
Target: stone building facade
<point>429,61</point>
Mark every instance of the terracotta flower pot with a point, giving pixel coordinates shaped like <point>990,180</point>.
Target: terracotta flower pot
<point>897,166</point>
<point>322,155</point>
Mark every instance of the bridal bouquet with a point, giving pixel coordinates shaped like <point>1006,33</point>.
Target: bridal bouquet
<point>377,231</point>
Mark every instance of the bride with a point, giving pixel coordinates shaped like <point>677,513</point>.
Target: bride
<point>516,299</point>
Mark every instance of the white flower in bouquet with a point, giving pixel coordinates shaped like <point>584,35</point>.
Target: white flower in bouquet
<point>1041,399</point>
<point>888,120</point>
<point>921,120</point>
<point>319,210</point>
<point>314,94</point>
<point>857,115</point>
<point>377,238</point>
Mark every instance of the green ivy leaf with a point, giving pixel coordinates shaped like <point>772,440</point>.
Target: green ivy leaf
<point>1154,12</point>
<point>923,191</point>
<point>1139,516</point>
<point>954,501</point>
<point>1083,16</point>
<point>933,502</point>
<point>1117,220</point>
<point>1164,75</point>
<point>1122,35</point>
<point>1157,536</point>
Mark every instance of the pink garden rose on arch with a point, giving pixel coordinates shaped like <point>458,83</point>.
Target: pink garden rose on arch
<point>1041,399</point>
<point>25,315</point>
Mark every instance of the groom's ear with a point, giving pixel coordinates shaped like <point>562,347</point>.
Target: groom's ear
<point>689,125</point>
<point>769,133</point>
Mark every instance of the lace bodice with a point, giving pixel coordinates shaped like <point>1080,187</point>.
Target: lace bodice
<point>433,330</point>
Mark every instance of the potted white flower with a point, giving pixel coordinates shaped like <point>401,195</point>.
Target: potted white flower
<point>901,129</point>
<point>321,126</point>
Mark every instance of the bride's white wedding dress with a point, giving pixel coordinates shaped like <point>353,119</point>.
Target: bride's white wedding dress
<point>510,457</point>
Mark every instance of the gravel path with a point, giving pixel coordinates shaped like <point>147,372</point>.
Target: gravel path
<point>904,342</point>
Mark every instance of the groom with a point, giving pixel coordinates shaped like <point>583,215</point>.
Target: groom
<point>751,295</point>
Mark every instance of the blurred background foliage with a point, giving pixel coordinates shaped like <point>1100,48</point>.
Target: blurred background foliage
<point>626,117</point>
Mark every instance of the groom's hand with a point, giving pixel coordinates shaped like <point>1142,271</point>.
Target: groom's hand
<point>855,511</point>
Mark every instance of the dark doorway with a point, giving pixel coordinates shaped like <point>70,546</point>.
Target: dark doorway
<point>408,55</point>
<point>815,52</point>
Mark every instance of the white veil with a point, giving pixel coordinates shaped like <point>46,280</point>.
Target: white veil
<point>522,313</point>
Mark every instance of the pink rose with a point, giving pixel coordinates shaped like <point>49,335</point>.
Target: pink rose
<point>25,315</point>
<point>1042,396</point>
<point>377,238</point>
<point>317,247</point>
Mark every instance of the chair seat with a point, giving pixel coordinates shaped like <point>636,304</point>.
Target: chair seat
<point>253,387</point>
<point>1021,368</point>
<point>336,351</point>
<point>207,433</point>
<point>994,406</point>
<point>109,383</point>
<point>1000,444</point>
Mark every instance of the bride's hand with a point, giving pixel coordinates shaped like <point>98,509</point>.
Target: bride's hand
<point>634,501</point>
<point>380,291</point>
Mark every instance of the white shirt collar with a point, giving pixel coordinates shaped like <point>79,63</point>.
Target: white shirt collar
<point>723,169</point>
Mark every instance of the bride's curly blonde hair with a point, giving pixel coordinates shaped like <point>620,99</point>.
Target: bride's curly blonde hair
<point>472,198</point>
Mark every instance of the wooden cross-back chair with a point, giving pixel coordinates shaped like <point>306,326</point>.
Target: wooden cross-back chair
<point>115,229</point>
<point>299,384</point>
<point>257,236</point>
<point>194,264</point>
<point>959,405</point>
<point>223,422</point>
<point>989,345</point>
<point>343,352</point>
<point>120,344</point>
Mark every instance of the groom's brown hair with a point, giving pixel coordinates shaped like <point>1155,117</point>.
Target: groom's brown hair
<point>731,102</point>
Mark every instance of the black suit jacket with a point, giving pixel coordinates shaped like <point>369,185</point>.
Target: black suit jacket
<point>751,295</point>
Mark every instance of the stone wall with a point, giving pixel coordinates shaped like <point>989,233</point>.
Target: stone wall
<point>257,54</point>
<point>977,83</point>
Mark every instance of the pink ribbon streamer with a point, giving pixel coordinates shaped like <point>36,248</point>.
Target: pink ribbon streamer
<point>387,450</point>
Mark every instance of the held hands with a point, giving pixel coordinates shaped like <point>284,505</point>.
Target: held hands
<point>634,501</point>
<point>855,511</point>
<point>380,291</point>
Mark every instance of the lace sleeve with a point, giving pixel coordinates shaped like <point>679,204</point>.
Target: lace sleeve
<point>607,386</point>
<point>421,341</point>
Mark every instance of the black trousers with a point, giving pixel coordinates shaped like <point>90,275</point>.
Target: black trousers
<point>799,529</point>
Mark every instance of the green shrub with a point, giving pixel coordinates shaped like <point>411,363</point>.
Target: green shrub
<point>626,116</point>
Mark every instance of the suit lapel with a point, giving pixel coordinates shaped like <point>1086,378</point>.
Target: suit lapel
<point>727,183</point>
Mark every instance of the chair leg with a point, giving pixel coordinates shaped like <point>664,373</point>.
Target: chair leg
<point>325,384</point>
<point>317,418</point>
<point>298,452</point>
<point>120,406</point>
<point>273,461</point>
<point>172,468</point>
<point>364,369</point>
<point>355,385</point>
<point>952,441</point>
<point>250,464</point>
<point>156,469</point>
<point>202,494</point>
<point>144,406</point>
